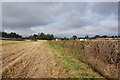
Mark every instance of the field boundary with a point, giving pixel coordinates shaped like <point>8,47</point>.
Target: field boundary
<point>67,59</point>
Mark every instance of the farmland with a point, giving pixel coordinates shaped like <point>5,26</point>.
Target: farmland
<point>102,55</point>
<point>27,60</point>
<point>52,59</point>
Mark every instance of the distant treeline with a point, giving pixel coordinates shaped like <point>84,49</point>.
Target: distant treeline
<point>39,36</point>
<point>105,36</point>
<point>87,37</point>
<point>10,35</point>
<point>42,36</point>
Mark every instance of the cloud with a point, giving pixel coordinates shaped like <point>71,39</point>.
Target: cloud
<point>60,1</point>
<point>61,18</point>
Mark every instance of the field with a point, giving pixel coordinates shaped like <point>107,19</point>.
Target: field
<point>103,55</point>
<point>50,59</point>
<point>27,59</point>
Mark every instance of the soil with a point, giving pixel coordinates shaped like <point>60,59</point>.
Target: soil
<point>38,59</point>
<point>29,60</point>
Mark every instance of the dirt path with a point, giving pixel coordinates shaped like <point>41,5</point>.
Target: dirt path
<point>31,60</point>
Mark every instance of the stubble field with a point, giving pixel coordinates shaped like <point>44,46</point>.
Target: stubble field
<point>42,59</point>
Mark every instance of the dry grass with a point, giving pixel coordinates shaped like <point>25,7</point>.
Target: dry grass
<point>71,67</point>
<point>34,59</point>
<point>101,55</point>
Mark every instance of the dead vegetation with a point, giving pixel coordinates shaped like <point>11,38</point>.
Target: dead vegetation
<point>35,59</point>
<point>103,56</point>
<point>71,67</point>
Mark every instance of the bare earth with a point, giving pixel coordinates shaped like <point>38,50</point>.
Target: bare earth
<point>36,59</point>
<point>28,60</point>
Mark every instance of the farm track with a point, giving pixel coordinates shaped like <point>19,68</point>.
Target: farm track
<point>33,60</point>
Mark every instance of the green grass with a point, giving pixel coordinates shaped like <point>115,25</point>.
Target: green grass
<point>72,76</point>
<point>80,69</point>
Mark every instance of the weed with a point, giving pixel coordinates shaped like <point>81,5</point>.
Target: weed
<point>68,60</point>
<point>65,70</point>
<point>71,61</point>
<point>72,76</point>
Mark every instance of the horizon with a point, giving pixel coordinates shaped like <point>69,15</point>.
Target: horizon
<point>63,19</point>
<point>64,36</point>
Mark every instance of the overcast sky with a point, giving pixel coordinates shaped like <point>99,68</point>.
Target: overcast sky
<point>63,19</point>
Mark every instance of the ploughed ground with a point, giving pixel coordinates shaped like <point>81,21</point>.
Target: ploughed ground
<point>31,59</point>
<point>28,60</point>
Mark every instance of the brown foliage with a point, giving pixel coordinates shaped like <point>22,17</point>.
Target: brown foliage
<point>102,55</point>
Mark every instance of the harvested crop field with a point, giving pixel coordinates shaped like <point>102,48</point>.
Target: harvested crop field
<point>28,60</point>
<point>39,59</point>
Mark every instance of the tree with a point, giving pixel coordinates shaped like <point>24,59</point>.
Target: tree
<point>104,36</point>
<point>42,36</point>
<point>71,38</point>
<point>52,37</point>
<point>65,38</point>
<point>112,36</point>
<point>10,35</point>
<point>74,37</point>
<point>97,36</point>
<point>35,36</point>
<point>30,37</point>
<point>86,37</point>
<point>4,34</point>
<point>49,37</point>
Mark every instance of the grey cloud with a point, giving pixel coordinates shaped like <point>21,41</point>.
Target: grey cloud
<point>105,8</point>
<point>59,18</point>
<point>23,15</point>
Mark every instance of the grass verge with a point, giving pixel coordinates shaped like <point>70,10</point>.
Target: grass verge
<point>73,68</point>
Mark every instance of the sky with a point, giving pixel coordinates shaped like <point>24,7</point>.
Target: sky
<point>63,19</point>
